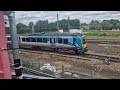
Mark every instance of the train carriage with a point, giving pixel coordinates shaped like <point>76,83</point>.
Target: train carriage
<point>56,42</point>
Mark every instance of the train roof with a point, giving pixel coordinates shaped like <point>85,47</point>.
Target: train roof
<point>60,34</point>
<point>52,34</point>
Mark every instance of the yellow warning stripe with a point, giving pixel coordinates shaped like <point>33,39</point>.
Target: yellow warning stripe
<point>84,45</point>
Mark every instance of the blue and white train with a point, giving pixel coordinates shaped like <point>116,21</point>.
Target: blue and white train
<point>56,42</point>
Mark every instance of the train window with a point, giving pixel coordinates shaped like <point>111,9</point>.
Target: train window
<point>9,39</point>
<point>83,40</point>
<point>39,39</point>
<point>60,40</point>
<point>50,40</point>
<point>27,39</point>
<point>45,40</point>
<point>33,39</point>
<point>23,39</point>
<point>54,40</point>
<point>73,41</point>
<point>65,41</point>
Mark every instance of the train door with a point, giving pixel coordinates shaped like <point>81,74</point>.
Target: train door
<point>52,41</point>
<point>74,41</point>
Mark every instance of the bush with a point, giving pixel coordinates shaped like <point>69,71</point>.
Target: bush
<point>48,72</point>
<point>102,34</point>
<point>105,34</point>
<point>27,63</point>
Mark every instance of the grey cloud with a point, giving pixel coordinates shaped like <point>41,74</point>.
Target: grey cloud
<point>84,16</point>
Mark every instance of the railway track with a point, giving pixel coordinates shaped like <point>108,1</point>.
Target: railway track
<point>56,54</point>
<point>87,56</point>
<point>103,41</point>
<point>103,57</point>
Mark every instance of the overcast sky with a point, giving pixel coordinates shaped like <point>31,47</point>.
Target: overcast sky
<point>84,16</point>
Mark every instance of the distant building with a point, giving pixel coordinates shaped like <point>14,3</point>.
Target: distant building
<point>74,31</point>
<point>61,31</point>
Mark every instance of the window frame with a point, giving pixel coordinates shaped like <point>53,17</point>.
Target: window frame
<point>59,40</point>
<point>34,39</point>
<point>45,40</point>
<point>39,40</point>
<point>24,39</point>
<point>8,39</point>
<point>54,41</point>
<point>65,42</point>
<point>29,40</point>
<point>50,40</point>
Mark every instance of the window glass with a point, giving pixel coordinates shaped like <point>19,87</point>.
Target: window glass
<point>73,41</point>
<point>65,41</point>
<point>33,40</point>
<point>54,40</point>
<point>60,40</point>
<point>50,40</point>
<point>44,40</point>
<point>23,39</point>
<point>83,40</point>
<point>27,39</point>
<point>39,39</point>
<point>9,39</point>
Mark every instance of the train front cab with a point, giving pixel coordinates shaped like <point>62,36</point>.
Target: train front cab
<point>84,44</point>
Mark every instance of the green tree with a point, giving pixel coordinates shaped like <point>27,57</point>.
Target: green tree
<point>95,25</point>
<point>22,28</point>
<point>53,26</point>
<point>75,23</point>
<point>106,25</point>
<point>114,24</point>
<point>41,26</point>
<point>44,26</point>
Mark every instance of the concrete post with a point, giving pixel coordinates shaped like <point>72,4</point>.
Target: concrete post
<point>15,45</point>
<point>33,30</point>
<point>68,24</point>
<point>57,23</point>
